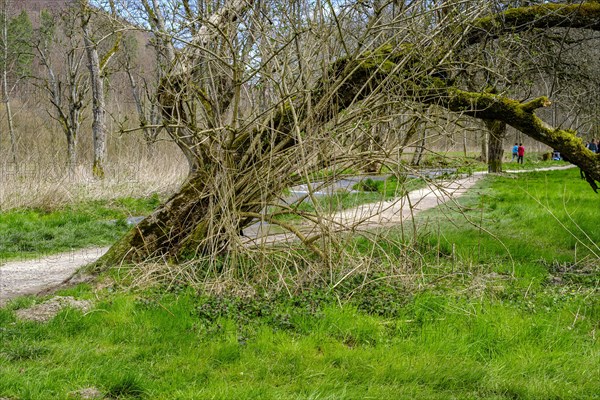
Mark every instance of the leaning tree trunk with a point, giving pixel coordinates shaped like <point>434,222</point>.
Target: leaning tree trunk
<point>178,227</point>
<point>234,180</point>
<point>205,217</point>
<point>224,193</point>
<point>497,133</point>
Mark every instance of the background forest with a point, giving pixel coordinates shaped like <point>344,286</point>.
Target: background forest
<point>47,141</point>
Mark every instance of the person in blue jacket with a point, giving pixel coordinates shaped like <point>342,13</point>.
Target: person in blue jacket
<point>515,152</point>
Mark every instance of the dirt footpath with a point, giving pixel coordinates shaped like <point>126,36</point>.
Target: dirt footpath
<point>368,216</point>
<point>18,278</point>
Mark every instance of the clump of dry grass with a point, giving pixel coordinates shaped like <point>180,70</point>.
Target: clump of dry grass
<point>286,268</point>
<point>41,185</point>
<point>41,178</point>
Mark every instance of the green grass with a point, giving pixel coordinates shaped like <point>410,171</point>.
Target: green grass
<point>532,161</point>
<point>182,346</point>
<point>539,217</point>
<point>30,233</point>
<point>466,328</point>
<point>371,191</point>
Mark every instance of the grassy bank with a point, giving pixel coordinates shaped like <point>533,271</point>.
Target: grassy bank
<point>534,219</point>
<point>504,305</point>
<point>34,232</point>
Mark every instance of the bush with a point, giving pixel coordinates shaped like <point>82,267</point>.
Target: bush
<point>367,185</point>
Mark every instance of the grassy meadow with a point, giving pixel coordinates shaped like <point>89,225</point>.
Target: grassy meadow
<point>496,300</point>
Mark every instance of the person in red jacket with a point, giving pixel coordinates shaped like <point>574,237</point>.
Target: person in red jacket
<point>520,153</point>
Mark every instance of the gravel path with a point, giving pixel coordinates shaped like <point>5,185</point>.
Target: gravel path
<point>18,278</point>
<point>368,216</point>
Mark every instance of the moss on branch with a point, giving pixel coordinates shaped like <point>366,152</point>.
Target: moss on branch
<point>582,16</point>
<point>521,116</point>
<point>534,104</point>
<point>181,221</point>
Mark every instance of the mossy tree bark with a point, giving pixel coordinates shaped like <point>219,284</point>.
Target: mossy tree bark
<point>581,15</point>
<point>497,134</point>
<point>522,117</point>
<point>241,175</point>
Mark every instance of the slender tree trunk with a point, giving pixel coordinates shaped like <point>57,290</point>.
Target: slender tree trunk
<point>413,129</point>
<point>484,147</point>
<point>11,130</point>
<point>72,123</point>
<point>419,149</point>
<point>497,133</point>
<point>149,132</point>
<point>371,166</point>
<point>71,152</point>
<point>98,102</point>
<point>5,91</point>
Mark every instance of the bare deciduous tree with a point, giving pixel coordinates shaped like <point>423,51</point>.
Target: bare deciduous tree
<point>241,160</point>
<point>97,69</point>
<point>65,83</point>
<point>15,61</point>
<point>143,92</point>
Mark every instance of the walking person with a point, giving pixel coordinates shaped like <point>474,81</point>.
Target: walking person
<point>515,152</point>
<point>593,146</point>
<point>520,153</point>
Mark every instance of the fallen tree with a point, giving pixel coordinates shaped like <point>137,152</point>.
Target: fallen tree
<point>239,169</point>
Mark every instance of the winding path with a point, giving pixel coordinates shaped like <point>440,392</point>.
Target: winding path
<point>367,216</point>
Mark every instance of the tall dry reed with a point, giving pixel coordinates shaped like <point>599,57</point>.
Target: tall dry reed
<point>42,179</point>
